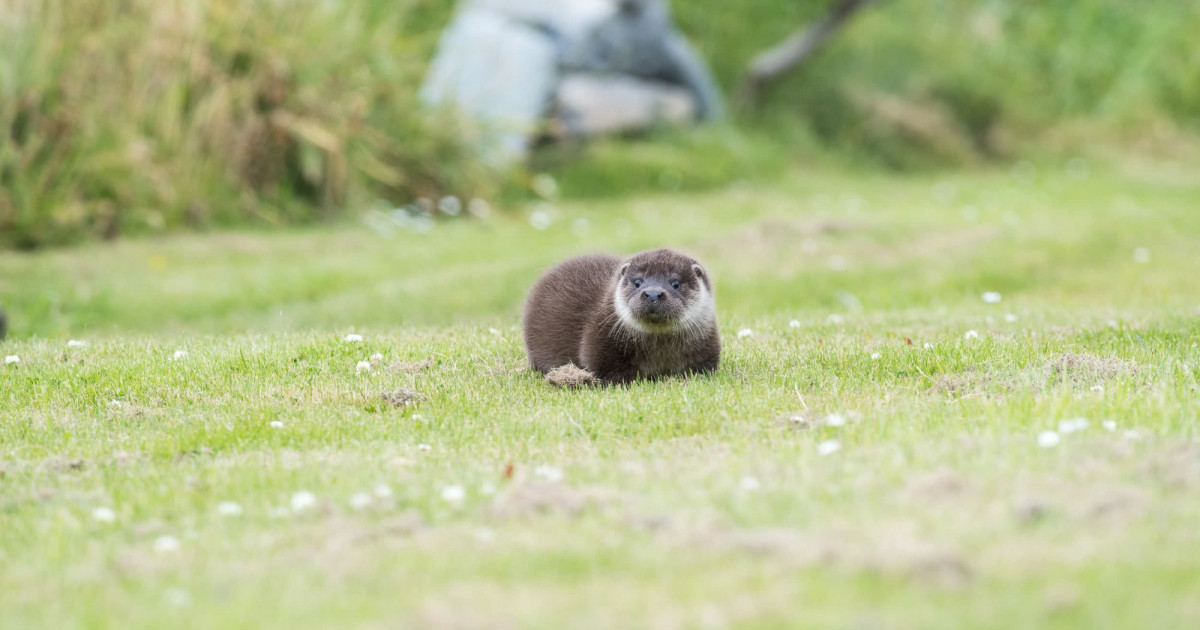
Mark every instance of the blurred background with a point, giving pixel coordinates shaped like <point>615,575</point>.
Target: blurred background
<point>318,163</point>
<point>143,116</point>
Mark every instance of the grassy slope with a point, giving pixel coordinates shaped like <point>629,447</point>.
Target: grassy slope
<point>684,503</point>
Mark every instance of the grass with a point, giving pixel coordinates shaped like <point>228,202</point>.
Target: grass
<point>685,503</point>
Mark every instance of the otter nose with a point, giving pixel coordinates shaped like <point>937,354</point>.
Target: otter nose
<point>654,295</point>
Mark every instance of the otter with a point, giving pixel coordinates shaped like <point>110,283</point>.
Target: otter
<point>651,315</point>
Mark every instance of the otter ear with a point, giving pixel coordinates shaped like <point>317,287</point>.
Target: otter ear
<point>699,271</point>
<point>624,268</point>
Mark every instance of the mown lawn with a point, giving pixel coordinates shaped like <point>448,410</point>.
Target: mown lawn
<point>870,455</point>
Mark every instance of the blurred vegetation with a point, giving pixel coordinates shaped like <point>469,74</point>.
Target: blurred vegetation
<point>143,115</point>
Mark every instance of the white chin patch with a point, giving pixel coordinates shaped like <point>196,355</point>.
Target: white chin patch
<point>700,310</point>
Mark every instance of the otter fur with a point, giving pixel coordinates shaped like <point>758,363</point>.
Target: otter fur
<point>651,315</point>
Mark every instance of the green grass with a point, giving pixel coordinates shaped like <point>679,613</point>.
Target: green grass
<point>684,503</point>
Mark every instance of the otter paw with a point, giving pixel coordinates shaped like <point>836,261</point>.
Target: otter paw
<point>570,375</point>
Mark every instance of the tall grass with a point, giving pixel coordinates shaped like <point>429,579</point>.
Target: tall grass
<point>145,114</point>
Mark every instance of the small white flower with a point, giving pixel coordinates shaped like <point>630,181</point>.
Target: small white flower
<point>303,500</point>
<point>377,357</point>
<point>971,334</point>
<point>424,448</point>
<point>418,417</point>
<point>494,331</point>
<point>749,484</point>
<point>1047,439</point>
<point>795,323</point>
<point>1097,388</point>
<point>383,491</point>
<point>835,420</point>
<point>545,186</point>
<point>166,544</point>
<point>450,205</point>
<point>229,508</point>
<point>928,346</point>
<point>363,366</point>
<point>1010,317</point>
<point>1109,425</point>
<point>104,514</point>
<point>745,332</point>
<point>114,404</point>
<point>875,355</point>
<point>1141,255</point>
<point>992,297</point>
<point>453,494</point>
<point>353,338</point>
<point>540,220</point>
<point>277,424</point>
<point>549,473</point>
<point>1067,427</point>
<point>360,500</point>
<point>829,447</point>
<point>835,319</point>
<point>76,343</point>
<point>1132,435</point>
<point>12,358</point>
<point>179,354</point>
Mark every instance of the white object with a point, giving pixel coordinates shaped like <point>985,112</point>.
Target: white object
<point>179,354</point>
<point>795,323</point>
<point>1047,439</point>
<point>363,366</point>
<point>971,334</point>
<point>992,297</point>
<point>76,343</point>
<point>360,501</point>
<point>229,508</point>
<point>104,514</point>
<point>303,500</point>
<point>828,447</point>
<point>353,338</point>
<point>835,420</point>
<point>12,358</point>
<point>166,544</point>
<point>453,494</point>
<point>745,332</point>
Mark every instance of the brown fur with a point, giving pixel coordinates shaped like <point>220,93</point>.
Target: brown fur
<point>573,315</point>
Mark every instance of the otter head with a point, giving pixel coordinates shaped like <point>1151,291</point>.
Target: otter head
<point>662,291</point>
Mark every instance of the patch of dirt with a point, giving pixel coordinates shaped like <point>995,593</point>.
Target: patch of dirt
<point>1086,369</point>
<point>891,551</point>
<point>962,383</point>
<point>538,498</point>
<point>942,483</point>
<point>410,367</point>
<point>402,397</point>
<point>570,376</point>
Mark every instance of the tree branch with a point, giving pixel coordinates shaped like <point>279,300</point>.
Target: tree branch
<point>772,63</point>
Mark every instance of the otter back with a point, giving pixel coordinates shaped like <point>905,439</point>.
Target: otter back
<point>560,305</point>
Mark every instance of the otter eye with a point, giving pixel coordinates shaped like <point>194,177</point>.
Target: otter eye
<point>674,284</point>
<point>637,283</point>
